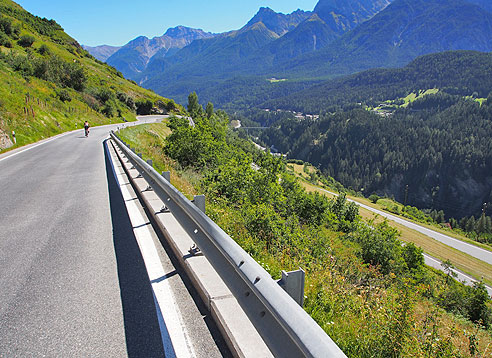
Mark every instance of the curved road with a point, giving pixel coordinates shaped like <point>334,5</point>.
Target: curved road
<point>462,246</point>
<point>73,282</point>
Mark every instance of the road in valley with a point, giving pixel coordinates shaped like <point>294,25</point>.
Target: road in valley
<point>462,246</point>
<point>73,281</point>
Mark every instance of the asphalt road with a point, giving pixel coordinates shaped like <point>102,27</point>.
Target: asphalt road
<point>73,282</point>
<point>462,246</point>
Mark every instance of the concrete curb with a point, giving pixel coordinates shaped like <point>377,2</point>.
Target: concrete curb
<point>239,333</point>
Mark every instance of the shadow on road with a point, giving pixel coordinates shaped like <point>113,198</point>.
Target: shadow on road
<point>143,336</point>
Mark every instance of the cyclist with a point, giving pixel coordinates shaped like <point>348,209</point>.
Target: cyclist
<point>86,127</point>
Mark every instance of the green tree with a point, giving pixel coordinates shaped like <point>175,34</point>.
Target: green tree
<point>413,256</point>
<point>477,304</point>
<point>374,198</point>
<point>380,246</point>
<point>194,108</point>
<point>26,41</point>
<point>144,107</point>
<point>470,225</point>
<point>209,110</point>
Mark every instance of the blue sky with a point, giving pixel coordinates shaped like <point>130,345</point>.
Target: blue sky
<point>115,22</point>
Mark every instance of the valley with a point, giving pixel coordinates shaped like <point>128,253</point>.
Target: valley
<point>352,140</point>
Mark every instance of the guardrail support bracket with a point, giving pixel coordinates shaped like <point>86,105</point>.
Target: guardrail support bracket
<point>167,176</point>
<point>199,201</point>
<point>293,283</point>
<point>195,250</point>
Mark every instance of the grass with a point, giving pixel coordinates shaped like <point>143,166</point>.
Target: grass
<point>355,315</point>
<point>148,139</point>
<point>412,97</point>
<point>32,108</point>
<point>463,262</point>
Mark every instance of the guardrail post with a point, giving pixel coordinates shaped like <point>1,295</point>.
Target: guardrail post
<point>139,155</point>
<point>293,283</point>
<point>167,176</point>
<point>150,162</point>
<point>199,201</point>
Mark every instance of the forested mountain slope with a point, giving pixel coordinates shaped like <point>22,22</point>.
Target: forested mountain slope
<point>463,72</point>
<point>206,63</point>
<point>381,130</point>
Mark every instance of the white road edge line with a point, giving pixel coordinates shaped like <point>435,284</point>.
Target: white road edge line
<point>36,145</point>
<point>168,313</point>
<point>422,229</point>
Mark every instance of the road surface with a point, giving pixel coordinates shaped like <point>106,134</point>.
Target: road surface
<point>462,246</point>
<point>73,281</point>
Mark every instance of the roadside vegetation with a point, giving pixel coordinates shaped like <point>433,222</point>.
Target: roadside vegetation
<point>373,296</point>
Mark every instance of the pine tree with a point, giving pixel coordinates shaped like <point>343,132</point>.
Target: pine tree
<point>209,110</point>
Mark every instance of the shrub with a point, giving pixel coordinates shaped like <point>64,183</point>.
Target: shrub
<point>109,109</point>
<point>122,97</point>
<point>5,41</point>
<point>374,198</point>
<point>104,94</point>
<point>171,105</point>
<point>64,74</point>
<point>64,95</point>
<point>130,103</point>
<point>44,50</point>
<point>144,107</point>
<point>6,26</point>
<point>26,41</point>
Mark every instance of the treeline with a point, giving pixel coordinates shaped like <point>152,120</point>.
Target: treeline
<point>432,150</point>
<point>455,72</point>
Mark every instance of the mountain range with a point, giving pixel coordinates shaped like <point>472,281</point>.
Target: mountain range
<point>134,57</point>
<point>338,37</point>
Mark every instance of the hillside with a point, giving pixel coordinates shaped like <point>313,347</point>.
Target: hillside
<point>426,126</point>
<point>370,293</point>
<point>463,72</point>
<point>404,30</point>
<point>49,84</point>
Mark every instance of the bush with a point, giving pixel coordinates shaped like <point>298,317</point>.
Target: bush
<point>109,109</point>
<point>374,198</point>
<point>5,41</point>
<point>26,41</point>
<point>171,105</point>
<point>64,74</point>
<point>64,95</point>
<point>144,107</point>
<point>44,50</point>
<point>122,97</point>
<point>130,103</point>
<point>104,94</point>
<point>6,26</point>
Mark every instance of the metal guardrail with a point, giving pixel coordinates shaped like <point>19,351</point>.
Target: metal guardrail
<point>286,328</point>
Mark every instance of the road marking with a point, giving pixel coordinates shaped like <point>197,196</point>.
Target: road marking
<point>175,338</point>
<point>426,231</point>
<point>459,273</point>
<point>36,145</point>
